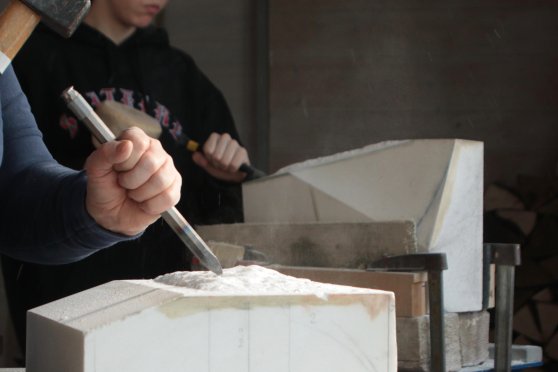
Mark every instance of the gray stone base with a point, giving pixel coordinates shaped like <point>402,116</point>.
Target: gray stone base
<point>466,341</point>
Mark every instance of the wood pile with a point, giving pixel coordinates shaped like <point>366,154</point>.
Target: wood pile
<point>528,214</point>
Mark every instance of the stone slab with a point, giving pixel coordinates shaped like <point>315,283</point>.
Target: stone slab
<point>466,337</point>
<point>437,184</point>
<point>146,326</point>
<point>345,245</point>
<point>413,347</point>
<point>409,288</point>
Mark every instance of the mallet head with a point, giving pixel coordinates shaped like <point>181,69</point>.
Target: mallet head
<point>63,16</point>
<point>19,18</point>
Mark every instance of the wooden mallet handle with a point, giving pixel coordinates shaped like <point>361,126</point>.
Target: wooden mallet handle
<point>17,22</point>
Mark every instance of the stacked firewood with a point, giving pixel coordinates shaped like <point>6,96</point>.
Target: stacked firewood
<point>528,214</point>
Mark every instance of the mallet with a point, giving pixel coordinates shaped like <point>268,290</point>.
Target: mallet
<point>19,19</point>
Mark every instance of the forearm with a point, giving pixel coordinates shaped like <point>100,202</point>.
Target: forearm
<point>45,220</point>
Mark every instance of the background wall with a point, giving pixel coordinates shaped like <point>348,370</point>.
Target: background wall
<point>348,73</point>
<point>344,74</point>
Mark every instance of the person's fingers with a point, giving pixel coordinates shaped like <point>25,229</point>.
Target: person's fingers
<point>219,144</point>
<point>220,149</point>
<point>228,156</point>
<point>149,164</point>
<point>104,195</point>
<point>163,200</point>
<point>102,161</point>
<point>210,145</point>
<point>200,159</point>
<point>240,157</point>
<point>222,157</point>
<point>130,183</point>
<point>141,142</point>
<point>160,181</point>
<point>234,157</point>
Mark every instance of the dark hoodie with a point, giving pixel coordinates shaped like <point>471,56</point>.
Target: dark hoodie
<point>144,72</point>
<point>147,73</point>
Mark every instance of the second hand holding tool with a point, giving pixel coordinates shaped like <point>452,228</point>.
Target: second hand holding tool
<point>251,172</point>
<point>84,112</point>
<point>119,117</point>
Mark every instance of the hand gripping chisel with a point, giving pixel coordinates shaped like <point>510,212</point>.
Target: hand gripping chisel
<point>84,112</point>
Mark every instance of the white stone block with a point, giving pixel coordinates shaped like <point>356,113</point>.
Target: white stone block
<point>248,319</point>
<point>437,184</point>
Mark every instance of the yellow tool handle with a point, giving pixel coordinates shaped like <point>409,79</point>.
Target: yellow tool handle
<point>251,172</point>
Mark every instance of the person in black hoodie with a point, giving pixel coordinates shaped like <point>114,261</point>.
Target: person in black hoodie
<point>118,55</point>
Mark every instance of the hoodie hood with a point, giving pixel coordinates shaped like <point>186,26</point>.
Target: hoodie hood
<point>151,35</point>
<point>126,53</point>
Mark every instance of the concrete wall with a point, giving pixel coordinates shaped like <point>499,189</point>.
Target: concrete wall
<point>348,73</point>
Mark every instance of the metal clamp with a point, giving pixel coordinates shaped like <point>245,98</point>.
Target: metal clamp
<point>434,264</point>
<point>506,257</point>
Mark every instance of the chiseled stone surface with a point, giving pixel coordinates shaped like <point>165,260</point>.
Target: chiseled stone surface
<point>436,184</point>
<point>248,319</point>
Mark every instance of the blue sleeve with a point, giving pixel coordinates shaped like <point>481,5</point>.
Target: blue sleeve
<point>42,204</point>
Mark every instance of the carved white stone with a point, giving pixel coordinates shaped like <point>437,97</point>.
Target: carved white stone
<point>249,319</point>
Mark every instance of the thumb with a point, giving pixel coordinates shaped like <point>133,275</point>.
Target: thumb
<point>105,157</point>
<point>200,159</point>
